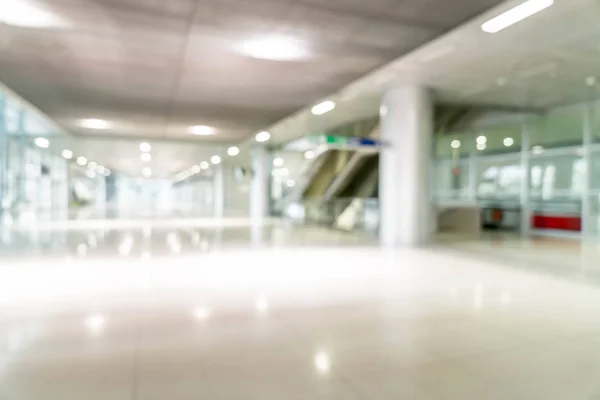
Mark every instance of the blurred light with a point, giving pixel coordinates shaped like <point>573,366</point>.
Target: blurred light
<point>215,160</point>
<point>508,141</point>
<point>126,245</point>
<point>146,157</point>
<point>537,149</point>
<point>90,173</point>
<point>261,304</point>
<point>82,249</point>
<point>195,169</point>
<point>81,161</point>
<point>95,323</point>
<point>202,130</point>
<point>291,183</point>
<point>309,155</point>
<point>146,172</point>
<point>515,14</point>
<point>24,14</point>
<point>280,172</point>
<point>92,165</point>
<point>501,81</point>
<point>275,48</point>
<point>107,172</point>
<point>455,144</point>
<point>278,162</point>
<point>93,123</point>
<point>263,136</point>
<point>101,170</point>
<point>233,151</point>
<point>323,107</point>
<point>145,147</point>
<point>67,154</point>
<point>202,313</point>
<point>322,362</point>
<point>481,140</point>
<point>481,146</point>
<point>42,142</point>
<point>204,165</point>
<point>590,81</point>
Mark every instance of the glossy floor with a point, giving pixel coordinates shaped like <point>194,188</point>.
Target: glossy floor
<point>145,310</point>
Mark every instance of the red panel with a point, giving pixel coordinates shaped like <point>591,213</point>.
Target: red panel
<point>564,223</point>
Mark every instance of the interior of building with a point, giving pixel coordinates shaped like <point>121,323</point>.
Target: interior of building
<point>226,199</point>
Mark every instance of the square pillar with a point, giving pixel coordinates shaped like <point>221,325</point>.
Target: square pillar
<point>259,187</point>
<point>406,209</point>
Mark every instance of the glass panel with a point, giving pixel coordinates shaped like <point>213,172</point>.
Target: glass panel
<point>559,128</point>
<point>505,138</point>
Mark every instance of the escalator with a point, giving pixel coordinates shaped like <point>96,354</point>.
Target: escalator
<point>334,163</point>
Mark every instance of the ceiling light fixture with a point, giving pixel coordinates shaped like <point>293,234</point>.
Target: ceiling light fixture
<point>274,48</point>
<point>100,169</point>
<point>24,14</point>
<point>146,157</point>
<point>67,154</point>
<point>145,147</point>
<point>81,161</point>
<point>92,165</point>
<point>233,151</point>
<point>107,172</point>
<point>42,142</point>
<point>323,107</point>
<point>537,149</point>
<point>309,155</point>
<point>481,146</point>
<point>195,169</point>
<point>278,162</point>
<point>263,136</point>
<point>455,144</point>
<point>508,141</point>
<point>92,123</point>
<point>146,172</point>
<point>204,165</point>
<point>481,140</point>
<point>215,160</point>
<point>515,14</point>
<point>202,130</point>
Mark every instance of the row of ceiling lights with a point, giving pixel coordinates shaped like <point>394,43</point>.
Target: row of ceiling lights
<point>67,154</point>
<point>481,143</point>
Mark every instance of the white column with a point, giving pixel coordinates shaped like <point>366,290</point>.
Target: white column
<point>218,191</point>
<point>259,188</point>
<point>404,168</point>
<point>525,199</point>
<point>3,153</point>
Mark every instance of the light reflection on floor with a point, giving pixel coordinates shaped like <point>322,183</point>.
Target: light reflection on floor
<point>180,310</point>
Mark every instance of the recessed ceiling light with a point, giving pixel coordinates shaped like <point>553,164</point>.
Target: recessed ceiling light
<point>481,146</point>
<point>263,136</point>
<point>93,123</point>
<point>481,139</point>
<point>146,172</point>
<point>81,161</point>
<point>195,169</point>
<point>323,107</point>
<point>278,162</point>
<point>508,141</point>
<point>23,13</point>
<point>215,160</point>
<point>537,149</point>
<point>202,130</point>
<point>204,165</point>
<point>100,169</point>
<point>455,144</point>
<point>515,14</point>
<point>309,155</point>
<point>233,151</point>
<point>90,173</point>
<point>92,165</point>
<point>68,154</point>
<point>274,48</point>
<point>42,142</point>
<point>146,157</point>
<point>145,147</point>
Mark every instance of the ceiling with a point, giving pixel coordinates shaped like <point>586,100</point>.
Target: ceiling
<point>152,68</point>
<point>541,62</point>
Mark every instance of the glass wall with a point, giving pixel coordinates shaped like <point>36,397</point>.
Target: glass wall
<point>531,170</point>
<point>34,174</point>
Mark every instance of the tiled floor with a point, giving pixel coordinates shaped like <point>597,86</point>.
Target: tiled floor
<point>164,311</point>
